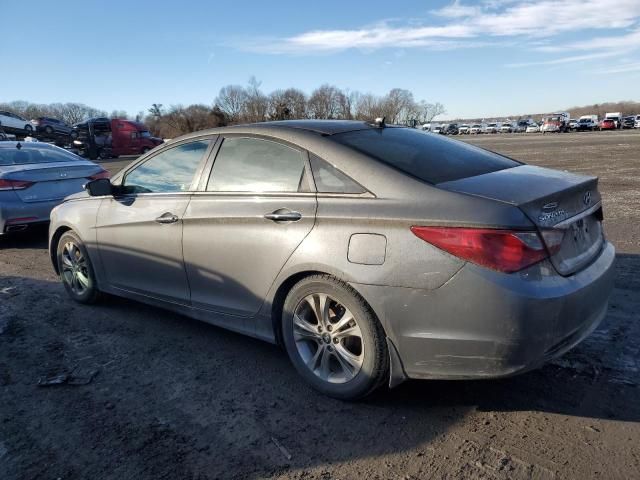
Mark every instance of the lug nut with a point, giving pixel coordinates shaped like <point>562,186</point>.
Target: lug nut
<point>336,340</point>
<point>320,329</point>
<point>330,349</point>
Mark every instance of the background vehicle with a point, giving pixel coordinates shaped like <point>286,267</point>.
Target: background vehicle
<point>492,127</point>
<point>637,124</point>
<point>104,138</point>
<point>349,287</point>
<point>555,122</point>
<point>51,126</point>
<point>629,122</point>
<point>507,127</point>
<point>436,128</point>
<point>521,126</point>
<point>477,129</point>
<point>12,123</point>
<point>450,129</point>
<point>34,178</point>
<point>616,117</point>
<point>533,128</point>
<point>588,122</point>
<point>464,129</point>
<point>573,124</point>
<point>607,124</point>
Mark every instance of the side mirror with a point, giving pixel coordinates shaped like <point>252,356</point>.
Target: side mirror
<point>99,187</point>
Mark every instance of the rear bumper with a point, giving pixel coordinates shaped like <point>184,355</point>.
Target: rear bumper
<point>485,324</point>
<point>37,213</point>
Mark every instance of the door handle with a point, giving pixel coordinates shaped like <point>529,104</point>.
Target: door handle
<point>283,215</point>
<point>167,217</point>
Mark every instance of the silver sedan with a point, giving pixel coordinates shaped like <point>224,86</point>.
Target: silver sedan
<point>372,253</point>
<point>34,178</point>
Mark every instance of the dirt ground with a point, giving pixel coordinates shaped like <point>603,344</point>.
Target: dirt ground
<point>167,397</point>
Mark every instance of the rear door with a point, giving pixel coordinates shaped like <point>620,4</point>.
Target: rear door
<point>139,232</point>
<point>256,209</point>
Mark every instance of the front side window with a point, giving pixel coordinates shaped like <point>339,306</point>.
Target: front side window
<point>170,171</point>
<point>255,165</point>
<point>331,180</point>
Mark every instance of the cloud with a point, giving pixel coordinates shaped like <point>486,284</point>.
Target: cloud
<point>495,19</point>
<point>621,68</point>
<point>565,60</point>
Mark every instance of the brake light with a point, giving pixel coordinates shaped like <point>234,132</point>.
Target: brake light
<point>6,184</point>
<point>502,250</point>
<point>100,174</point>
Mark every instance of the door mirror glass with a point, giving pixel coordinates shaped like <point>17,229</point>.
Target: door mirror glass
<point>99,187</point>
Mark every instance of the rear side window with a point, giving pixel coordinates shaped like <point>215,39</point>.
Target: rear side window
<point>256,165</point>
<point>170,171</point>
<point>428,157</point>
<point>331,180</point>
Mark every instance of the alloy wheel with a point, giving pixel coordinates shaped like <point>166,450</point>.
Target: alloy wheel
<point>328,338</point>
<point>75,270</point>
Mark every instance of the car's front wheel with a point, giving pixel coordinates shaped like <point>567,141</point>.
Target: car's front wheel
<point>75,269</point>
<point>28,129</point>
<point>333,338</point>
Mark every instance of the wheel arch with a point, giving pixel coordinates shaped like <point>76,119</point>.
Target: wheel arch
<point>53,245</point>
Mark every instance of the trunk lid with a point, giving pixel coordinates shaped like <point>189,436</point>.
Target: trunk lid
<point>551,199</point>
<point>51,181</point>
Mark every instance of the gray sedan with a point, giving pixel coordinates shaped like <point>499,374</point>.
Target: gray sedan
<point>34,178</point>
<point>372,253</point>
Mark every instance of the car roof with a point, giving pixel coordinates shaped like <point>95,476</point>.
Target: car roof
<point>323,127</point>
<point>27,145</point>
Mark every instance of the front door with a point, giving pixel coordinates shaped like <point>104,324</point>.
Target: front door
<point>139,231</point>
<point>257,209</point>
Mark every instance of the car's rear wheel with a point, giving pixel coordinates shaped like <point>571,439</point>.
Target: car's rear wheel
<point>48,130</point>
<point>333,338</point>
<point>28,129</point>
<point>75,269</point>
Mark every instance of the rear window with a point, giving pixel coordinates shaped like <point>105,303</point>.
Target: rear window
<point>25,155</point>
<point>428,157</point>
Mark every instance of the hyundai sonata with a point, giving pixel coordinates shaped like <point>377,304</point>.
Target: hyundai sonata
<point>372,253</point>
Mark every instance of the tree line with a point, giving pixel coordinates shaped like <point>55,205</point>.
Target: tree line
<point>237,104</point>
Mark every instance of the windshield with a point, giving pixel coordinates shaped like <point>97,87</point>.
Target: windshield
<point>430,158</point>
<point>145,134</point>
<point>24,156</point>
<point>476,126</point>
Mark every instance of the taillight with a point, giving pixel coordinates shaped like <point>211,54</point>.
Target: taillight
<point>100,174</point>
<point>503,250</point>
<point>6,184</point>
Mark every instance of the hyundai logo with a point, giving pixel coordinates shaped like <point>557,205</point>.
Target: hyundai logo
<point>586,198</point>
<point>550,206</point>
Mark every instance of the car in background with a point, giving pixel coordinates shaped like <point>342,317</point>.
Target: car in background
<point>507,127</point>
<point>464,129</point>
<point>532,128</point>
<point>51,126</point>
<point>637,123</point>
<point>34,178</point>
<point>13,123</point>
<point>573,124</point>
<point>356,261</point>
<point>607,124</point>
<point>436,129</point>
<point>587,122</point>
<point>629,122</point>
<point>450,129</point>
<point>521,126</point>
<point>492,128</point>
<point>476,129</point>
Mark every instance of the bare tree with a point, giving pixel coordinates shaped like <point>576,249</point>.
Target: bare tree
<point>156,110</point>
<point>428,111</point>
<point>257,103</point>
<point>324,102</point>
<point>232,101</point>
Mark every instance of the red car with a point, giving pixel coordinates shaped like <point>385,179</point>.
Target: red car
<point>607,124</point>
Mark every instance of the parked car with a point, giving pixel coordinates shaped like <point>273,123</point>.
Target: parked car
<point>106,138</point>
<point>436,129</point>
<point>51,126</point>
<point>12,123</point>
<point>464,129</point>
<point>507,127</point>
<point>637,123</point>
<point>521,126</point>
<point>34,178</point>
<point>555,122</point>
<point>355,262</point>
<point>533,128</point>
<point>607,124</point>
<point>629,122</point>
<point>492,128</point>
<point>450,129</point>
<point>588,122</point>
<point>476,129</point>
<point>616,117</point>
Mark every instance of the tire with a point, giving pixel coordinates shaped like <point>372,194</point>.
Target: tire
<point>48,130</point>
<point>74,265</point>
<point>28,130</point>
<point>348,361</point>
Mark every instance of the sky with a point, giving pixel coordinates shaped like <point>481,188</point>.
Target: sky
<point>478,58</point>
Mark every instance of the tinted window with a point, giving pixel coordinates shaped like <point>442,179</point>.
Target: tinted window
<point>331,180</point>
<point>170,171</point>
<point>26,155</point>
<point>254,165</point>
<point>428,157</point>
